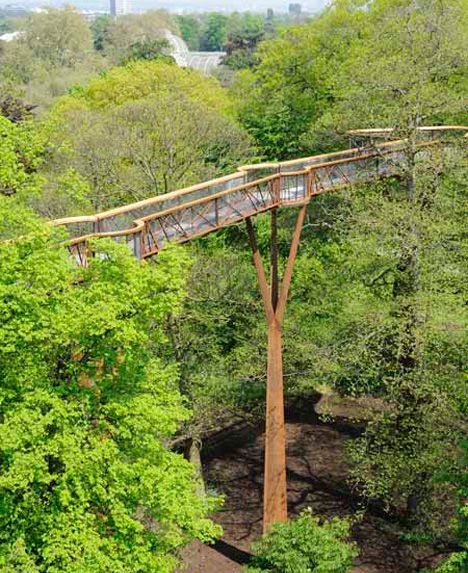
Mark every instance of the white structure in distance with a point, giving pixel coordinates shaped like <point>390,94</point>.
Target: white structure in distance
<point>120,7</point>
<point>204,62</point>
<point>10,36</point>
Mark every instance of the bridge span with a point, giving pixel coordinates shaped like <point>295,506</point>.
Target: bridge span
<point>195,211</point>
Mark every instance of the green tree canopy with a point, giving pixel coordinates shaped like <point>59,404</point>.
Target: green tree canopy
<point>163,127</point>
<point>214,33</point>
<point>304,545</point>
<point>86,405</point>
<point>122,33</point>
<point>392,63</point>
<point>60,37</point>
<point>21,151</point>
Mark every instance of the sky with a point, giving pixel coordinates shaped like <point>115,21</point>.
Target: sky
<point>255,5</point>
<point>177,5</point>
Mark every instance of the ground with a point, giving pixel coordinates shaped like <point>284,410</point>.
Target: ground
<point>317,478</point>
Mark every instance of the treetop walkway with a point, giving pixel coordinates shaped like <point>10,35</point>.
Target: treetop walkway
<point>189,213</point>
<point>195,211</point>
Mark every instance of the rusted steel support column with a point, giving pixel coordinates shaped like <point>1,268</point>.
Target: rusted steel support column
<point>274,280</point>
<point>275,508</point>
<point>274,300</point>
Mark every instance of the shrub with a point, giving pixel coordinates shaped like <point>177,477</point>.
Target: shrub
<point>304,545</point>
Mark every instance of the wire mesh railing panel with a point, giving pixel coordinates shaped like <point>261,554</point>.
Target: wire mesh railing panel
<point>254,174</point>
<point>206,216</point>
<point>238,205</point>
<point>293,187</point>
<point>125,218</point>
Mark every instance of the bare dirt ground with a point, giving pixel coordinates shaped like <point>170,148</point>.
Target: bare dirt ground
<point>317,472</point>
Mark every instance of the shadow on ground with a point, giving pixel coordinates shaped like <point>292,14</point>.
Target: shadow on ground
<point>317,472</point>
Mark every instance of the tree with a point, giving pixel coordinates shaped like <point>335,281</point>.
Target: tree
<point>60,37</point>
<point>53,53</point>
<point>407,69</point>
<point>99,30</point>
<point>214,34</point>
<point>21,149</point>
<point>190,29</point>
<point>86,407</point>
<point>244,33</point>
<point>150,50</point>
<point>166,132</point>
<point>292,84</point>
<point>304,545</point>
<point>124,33</point>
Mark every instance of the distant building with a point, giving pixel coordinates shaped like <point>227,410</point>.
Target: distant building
<point>14,10</point>
<point>91,15</point>
<point>295,9</point>
<point>120,7</point>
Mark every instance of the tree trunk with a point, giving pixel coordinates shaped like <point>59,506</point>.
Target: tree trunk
<point>195,460</point>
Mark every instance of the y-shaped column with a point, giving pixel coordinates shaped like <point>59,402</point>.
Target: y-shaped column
<point>274,299</point>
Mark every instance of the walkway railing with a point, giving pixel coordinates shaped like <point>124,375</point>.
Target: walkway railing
<point>189,213</point>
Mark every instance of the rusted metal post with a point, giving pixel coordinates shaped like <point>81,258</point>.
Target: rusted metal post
<point>274,300</point>
<point>274,280</point>
<point>275,508</point>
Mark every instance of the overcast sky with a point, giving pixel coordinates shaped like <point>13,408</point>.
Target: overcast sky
<point>177,5</point>
<point>258,5</point>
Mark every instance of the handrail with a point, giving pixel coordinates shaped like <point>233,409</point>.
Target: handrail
<point>390,130</point>
<point>243,170</point>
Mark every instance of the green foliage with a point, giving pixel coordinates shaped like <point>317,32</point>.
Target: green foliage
<point>141,79</point>
<point>407,323</point>
<point>189,27</point>
<point>53,53</point>
<point>407,68</point>
<point>150,50</point>
<point>218,339</point>
<point>304,545</point>
<point>393,64</point>
<point>292,84</point>
<point>118,37</point>
<point>244,33</point>
<point>21,152</point>
<point>458,476</point>
<point>214,34</point>
<point>99,30</point>
<point>86,405</point>
<point>164,128</point>
<point>60,37</point>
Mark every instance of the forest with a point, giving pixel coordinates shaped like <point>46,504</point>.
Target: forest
<point>132,392</point>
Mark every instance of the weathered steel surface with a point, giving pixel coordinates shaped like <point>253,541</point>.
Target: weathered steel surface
<point>274,299</point>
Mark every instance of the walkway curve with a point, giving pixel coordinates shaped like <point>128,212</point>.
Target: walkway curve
<point>198,210</point>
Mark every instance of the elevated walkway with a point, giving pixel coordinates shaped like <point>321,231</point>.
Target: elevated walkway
<point>195,211</point>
